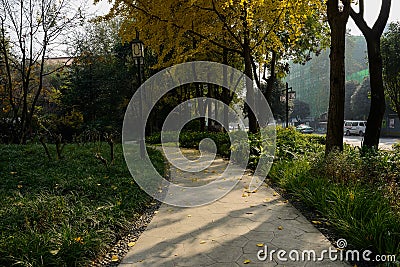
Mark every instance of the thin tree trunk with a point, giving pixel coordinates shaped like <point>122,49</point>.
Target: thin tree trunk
<point>225,91</point>
<point>271,78</point>
<point>209,106</point>
<point>202,108</point>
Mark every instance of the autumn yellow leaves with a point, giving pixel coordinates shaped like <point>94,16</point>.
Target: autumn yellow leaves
<point>181,31</point>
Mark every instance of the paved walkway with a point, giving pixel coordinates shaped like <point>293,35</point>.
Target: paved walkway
<point>228,232</point>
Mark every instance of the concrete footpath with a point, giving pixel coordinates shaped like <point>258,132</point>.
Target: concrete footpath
<point>230,231</point>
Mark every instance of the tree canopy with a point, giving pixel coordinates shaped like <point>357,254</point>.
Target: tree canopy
<point>180,31</point>
<point>170,27</point>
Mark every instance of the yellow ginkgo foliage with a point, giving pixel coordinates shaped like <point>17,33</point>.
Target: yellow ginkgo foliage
<point>179,31</point>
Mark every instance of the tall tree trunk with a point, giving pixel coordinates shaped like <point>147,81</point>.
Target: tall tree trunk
<point>337,19</point>
<point>378,105</point>
<point>373,36</point>
<point>249,86</point>
<point>249,72</point>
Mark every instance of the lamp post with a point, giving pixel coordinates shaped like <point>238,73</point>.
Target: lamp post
<point>288,96</point>
<point>138,56</point>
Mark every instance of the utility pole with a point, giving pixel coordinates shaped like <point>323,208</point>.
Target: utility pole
<point>289,94</point>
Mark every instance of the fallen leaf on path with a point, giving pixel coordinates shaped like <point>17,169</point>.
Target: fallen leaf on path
<point>246,261</point>
<point>260,244</point>
<point>280,227</point>
<point>114,258</point>
<point>203,242</point>
<point>54,252</point>
<point>131,244</point>
<point>189,215</point>
<point>316,222</point>
<point>79,239</point>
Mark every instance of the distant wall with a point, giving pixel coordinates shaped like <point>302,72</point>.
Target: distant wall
<point>391,126</point>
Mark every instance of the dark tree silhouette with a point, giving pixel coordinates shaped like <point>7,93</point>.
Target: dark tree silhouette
<point>373,38</point>
<point>338,15</point>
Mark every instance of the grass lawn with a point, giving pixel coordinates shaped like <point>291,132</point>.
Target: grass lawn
<point>65,212</point>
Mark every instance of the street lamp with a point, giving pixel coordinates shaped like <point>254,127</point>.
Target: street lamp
<point>138,56</point>
<point>289,95</point>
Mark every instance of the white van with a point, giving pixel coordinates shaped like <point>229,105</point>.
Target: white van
<point>354,127</point>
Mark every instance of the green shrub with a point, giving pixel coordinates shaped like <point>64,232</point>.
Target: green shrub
<point>289,143</point>
<point>361,212</point>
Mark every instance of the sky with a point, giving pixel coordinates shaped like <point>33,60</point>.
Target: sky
<point>103,6</point>
<point>371,12</point>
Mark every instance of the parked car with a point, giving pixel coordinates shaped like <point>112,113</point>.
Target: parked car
<point>303,128</point>
<point>354,127</point>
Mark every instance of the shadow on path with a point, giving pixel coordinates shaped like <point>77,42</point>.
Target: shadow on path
<point>228,232</point>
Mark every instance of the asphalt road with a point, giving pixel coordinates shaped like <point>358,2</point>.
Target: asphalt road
<point>384,142</point>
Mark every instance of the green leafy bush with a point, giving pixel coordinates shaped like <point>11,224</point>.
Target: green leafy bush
<point>361,211</point>
<point>289,143</point>
<point>189,139</point>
